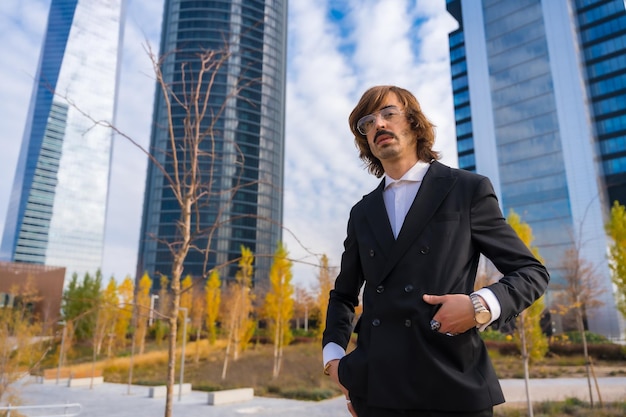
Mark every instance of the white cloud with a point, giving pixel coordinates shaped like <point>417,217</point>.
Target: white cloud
<point>134,119</point>
<point>324,176</point>
<point>331,62</point>
<point>322,172</point>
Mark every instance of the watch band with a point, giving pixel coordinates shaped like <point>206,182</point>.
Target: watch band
<point>482,315</point>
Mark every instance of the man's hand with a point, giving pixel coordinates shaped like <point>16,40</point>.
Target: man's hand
<point>333,372</point>
<point>456,314</point>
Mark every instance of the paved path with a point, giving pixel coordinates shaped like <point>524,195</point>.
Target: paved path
<point>114,399</point>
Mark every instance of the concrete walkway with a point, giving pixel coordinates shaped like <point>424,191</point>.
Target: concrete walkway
<point>109,399</point>
<point>611,389</point>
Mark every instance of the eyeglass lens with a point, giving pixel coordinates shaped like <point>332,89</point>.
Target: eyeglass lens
<point>366,123</point>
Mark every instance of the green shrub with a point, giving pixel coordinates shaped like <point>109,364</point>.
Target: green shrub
<point>315,394</point>
<point>494,335</point>
<point>207,387</point>
<point>576,337</point>
<point>604,351</point>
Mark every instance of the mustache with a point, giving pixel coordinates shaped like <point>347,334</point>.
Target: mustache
<point>383,132</point>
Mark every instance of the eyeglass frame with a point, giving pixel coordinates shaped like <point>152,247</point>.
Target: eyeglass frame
<point>395,112</point>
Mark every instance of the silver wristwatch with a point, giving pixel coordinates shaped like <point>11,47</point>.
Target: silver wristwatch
<point>481,314</point>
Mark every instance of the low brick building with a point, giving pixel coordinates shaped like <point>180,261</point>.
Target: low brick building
<point>47,282</point>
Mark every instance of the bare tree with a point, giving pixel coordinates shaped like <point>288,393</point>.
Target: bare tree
<point>188,165</point>
<point>190,173</point>
<point>303,305</point>
<point>579,294</point>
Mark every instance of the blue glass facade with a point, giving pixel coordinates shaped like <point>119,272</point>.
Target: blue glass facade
<point>58,202</point>
<point>247,147</point>
<point>602,26</point>
<point>531,115</point>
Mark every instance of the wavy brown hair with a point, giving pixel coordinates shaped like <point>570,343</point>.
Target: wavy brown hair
<point>423,128</point>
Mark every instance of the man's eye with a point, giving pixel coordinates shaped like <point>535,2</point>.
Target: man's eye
<point>388,114</point>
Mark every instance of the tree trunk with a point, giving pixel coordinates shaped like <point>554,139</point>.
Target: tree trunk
<point>526,370</point>
<point>171,365</point>
<point>276,367</point>
<point>197,358</point>
<point>177,272</point>
<point>225,366</point>
<point>581,329</point>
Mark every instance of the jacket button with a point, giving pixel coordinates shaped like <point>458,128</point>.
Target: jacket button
<point>424,250</point>
<point>407,323</point>
<point>380,289</point>
<point>375,322</point>
<point>371,253</point>
<point>408,288</point>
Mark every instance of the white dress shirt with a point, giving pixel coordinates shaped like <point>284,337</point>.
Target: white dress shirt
<point>399,194</point>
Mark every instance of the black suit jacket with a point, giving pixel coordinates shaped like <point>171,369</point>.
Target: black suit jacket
<point>399,362</point>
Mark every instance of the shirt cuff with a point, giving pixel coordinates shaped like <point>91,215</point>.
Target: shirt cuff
<point>331,352</point>
<point>492,303</point>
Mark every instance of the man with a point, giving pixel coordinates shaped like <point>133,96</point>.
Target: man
<point>414,244</point>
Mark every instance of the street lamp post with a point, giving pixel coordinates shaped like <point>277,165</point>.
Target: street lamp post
<point>182,354</point>
<point>153,297</point>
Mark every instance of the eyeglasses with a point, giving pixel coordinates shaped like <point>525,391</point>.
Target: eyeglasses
<point>366,123</point>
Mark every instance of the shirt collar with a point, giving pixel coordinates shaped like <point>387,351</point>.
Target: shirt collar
<point>415,174</point>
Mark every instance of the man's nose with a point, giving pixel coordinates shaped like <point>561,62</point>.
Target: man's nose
<point>379,120</point>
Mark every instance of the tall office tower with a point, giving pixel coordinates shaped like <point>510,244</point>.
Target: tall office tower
<point>540,106</point>
<point>248,137</point>
<point>57,208</point>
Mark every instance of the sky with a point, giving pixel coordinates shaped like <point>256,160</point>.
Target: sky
<point>336,50</point>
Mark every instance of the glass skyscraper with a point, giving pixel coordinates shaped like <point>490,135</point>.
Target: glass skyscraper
<point>540,107</point>
<point>58,203</point>
<point>246,148</point>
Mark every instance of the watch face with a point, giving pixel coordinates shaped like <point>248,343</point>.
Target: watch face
<point>483,317</point>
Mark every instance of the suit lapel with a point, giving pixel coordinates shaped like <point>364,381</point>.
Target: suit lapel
<point>436,185</point>
<point>379,220</point>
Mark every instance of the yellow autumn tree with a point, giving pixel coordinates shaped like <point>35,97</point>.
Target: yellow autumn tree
<point>616,230</point>
<point>107,317</point>
<point>21,347</point>
<point>278,306</point>
<point>325,284</point>
<point>239,309</point>
<point>213,296</point>
<point>186,298</point>
<point>530,338</point>
<point>163,310</point>
<point>198,308</point>
<point>142,310</point>
<point>125,293</point>
<point>529,326</point>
